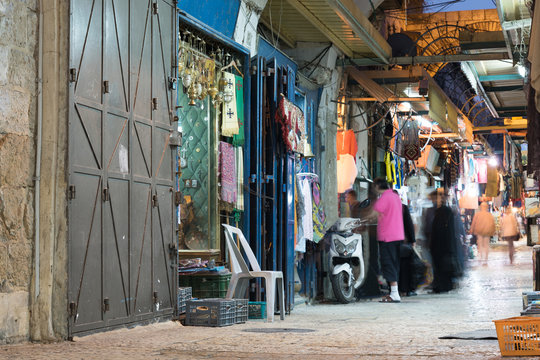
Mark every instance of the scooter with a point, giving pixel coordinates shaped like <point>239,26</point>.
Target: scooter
<point>346,258</point>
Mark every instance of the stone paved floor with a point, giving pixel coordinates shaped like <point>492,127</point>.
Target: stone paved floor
<point>363,330</point>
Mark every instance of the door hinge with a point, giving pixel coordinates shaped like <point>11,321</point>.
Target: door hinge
<point>106,305</point>
<point>154,104</point>
<point>72,191</point>
<point>72,309</point>
<point>155,297</point>
<point>105,196</point>
<point>106,87</point>
<point>155,8</point>
<point>72,75</point>
<point>172,250</point>
<point>154,200</point>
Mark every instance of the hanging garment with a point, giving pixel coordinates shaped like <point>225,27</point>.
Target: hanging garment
<point>291,120</point>
<point>319,217</point>
<point>346,172</point>
<point>306,219</point>
<point>411,141</point>
<point>492,188</point>
<point>533,125</point>
<point>239,139</point>
<point>346,143</point>
<point>481,165</point>
<point>297,211</point>
<point>390,168</point>
<point>229,116</point>
<point>227,168</point>
<point>239,157</point>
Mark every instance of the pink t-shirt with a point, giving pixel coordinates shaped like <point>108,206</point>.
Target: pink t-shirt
<point>390,225</point>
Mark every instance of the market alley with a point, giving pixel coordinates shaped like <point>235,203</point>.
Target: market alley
<point>361,330</point>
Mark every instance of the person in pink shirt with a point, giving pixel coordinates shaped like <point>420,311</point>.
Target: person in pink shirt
<point>390,234</point>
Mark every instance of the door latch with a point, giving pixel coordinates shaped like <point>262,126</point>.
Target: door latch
<point>154,200</point>
<point>72,75</point>
<point>106,305</point>
<point>72,191</point>
<point>72,309</point>
<point>105,195</point>
<point>154,104</point>
<point>106,87</point>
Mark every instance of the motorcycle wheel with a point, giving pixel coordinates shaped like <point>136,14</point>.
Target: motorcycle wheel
<point>343,292</point>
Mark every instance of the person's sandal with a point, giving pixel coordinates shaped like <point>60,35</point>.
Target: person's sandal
<point>388,299</point>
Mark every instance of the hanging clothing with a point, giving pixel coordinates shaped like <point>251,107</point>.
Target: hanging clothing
<point>390,168</point>
<point>239,157</point>
<point>292,122</point>
<point>227,169</point>
<point>346,143</point>
<point>346,172</point>
<point>305,211</point>
<point>533,130</point>
<point>229,116</point>
<point>481,167</point>
<point>492,188</point>
<point>239,139</point>
<point>319,217</point>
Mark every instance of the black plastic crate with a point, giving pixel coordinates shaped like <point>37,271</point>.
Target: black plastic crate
<point>241,310</point>
<point>210,312</point>
<point>184,294</point>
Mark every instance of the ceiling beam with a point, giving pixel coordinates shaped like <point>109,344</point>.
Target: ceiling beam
<point>503,88</point>
<point>439,135</point>
<point>390,99</point>
<point>321,26</point>
<point>516,24</point>
<point>349,12</point>
<point>500,77</point>
<point>490,129</point>
<point>433,59</point>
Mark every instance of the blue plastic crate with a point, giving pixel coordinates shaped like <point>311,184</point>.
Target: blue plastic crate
<point>257,310</point>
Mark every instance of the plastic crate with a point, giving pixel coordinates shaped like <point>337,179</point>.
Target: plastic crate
<point>529,297</point>
<point>241,310</point>
<point>206,286</point>
<point>184,294</point>
<point>257,310</point>
<point>210,312</point>
<point>518,336</point>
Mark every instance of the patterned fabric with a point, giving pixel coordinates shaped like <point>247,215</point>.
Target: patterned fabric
<point>292,122</point>
<point>238,140</point>
<point>319,217</point>
<point>239,178</point>
<point>229,117</point>
<point>227,169</point>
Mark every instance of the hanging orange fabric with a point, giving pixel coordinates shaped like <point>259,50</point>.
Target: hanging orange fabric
<point>346,143</point>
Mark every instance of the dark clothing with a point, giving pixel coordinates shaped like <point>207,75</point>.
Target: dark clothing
<point>444,250</point>
<point>405,282</point>
<point>389,254</point>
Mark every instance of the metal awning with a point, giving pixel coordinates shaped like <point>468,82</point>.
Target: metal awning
<point>338,21</point>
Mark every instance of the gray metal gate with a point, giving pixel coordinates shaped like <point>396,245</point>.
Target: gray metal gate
<point>122,243</point>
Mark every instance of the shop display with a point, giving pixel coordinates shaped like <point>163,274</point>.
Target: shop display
<point>292,122</point>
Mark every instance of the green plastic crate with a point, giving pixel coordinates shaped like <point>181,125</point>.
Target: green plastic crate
<point>207,285</point>
<point>257,310</point>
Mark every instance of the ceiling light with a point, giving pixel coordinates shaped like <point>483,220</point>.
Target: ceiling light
<point>406,106</point>
<point>493,161</point>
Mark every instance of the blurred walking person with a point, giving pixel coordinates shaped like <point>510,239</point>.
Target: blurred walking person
<point>509,231</point>
<point>444,246</point>
<point>483,227</point>
<point>390,235</point>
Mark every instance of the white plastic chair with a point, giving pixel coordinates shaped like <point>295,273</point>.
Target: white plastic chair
<point>241,274</point>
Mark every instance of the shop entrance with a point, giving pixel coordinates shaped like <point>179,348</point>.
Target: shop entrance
<point>122,244</point>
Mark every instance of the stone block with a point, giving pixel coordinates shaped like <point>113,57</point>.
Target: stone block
<point>4,64</point>
<point>14,206</point>
<point>22,70</point>
<point>14,317</point>
<point>17,154</point>
<point>19,264</point>
<point>14,107</point>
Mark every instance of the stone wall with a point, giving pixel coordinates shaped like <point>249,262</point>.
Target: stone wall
<point>18,94</point>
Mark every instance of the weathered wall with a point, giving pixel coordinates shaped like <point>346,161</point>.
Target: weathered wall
<point>48,297</point>
<point>245,32</point>
<point>18,73</point>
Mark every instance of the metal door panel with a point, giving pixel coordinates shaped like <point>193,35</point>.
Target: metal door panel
<point>121,238</point>
<point>88,66</point>
<point>116,53</point>
<point>162,236</point>
<point>141,249</point>
<point>141,60</point>
<point>85,246</point>
<point>161,65</point>
<point>141,150</point>
<point>116,249</point>
<point>86,126</point>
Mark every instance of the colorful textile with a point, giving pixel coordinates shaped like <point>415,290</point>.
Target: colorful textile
<point>346,143</point>
<point>390,225</point>
<point>292,122</point>
<point>319,217</point>
<point>239,139</point>
<point>229,116</point>
<point>492,188</point>
<point>481,166</point>
<point>390,168</point>
<point>239,157</point>
<point>346,172</point>
<point>227,169</point>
